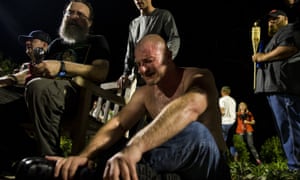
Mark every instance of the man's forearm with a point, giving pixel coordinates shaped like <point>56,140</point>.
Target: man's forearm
<point>106,136</point>
<point>170,121</point>
<point>96,72</point>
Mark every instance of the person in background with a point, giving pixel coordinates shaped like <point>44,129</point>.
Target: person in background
<point>183,105</point>
<point>293,10</point>
<point>227,105</point>
<point>278,80</point>
<point>51,96</point>
<point>294,17</point>
<point>152,20</point>
<point>245,122</point>
<point>13,108</point>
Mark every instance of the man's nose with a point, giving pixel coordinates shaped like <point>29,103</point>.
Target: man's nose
<point>142,69</point>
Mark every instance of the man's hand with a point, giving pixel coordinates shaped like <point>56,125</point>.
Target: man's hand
<point>123,165</point>
<point>258,57</point>
<point>124,81</point>
<point>47,68</point>
<point>66,167</point>
<point>12,79</point>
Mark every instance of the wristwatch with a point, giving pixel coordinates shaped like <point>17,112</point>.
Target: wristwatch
<point>62,72</point>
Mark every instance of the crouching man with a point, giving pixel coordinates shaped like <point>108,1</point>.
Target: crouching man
<point>184,137</point>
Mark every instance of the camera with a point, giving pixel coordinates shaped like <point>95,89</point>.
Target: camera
<point>244,116</point>
<point>39,54</point>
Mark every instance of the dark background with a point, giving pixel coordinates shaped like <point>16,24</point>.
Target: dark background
<point>214,34</point>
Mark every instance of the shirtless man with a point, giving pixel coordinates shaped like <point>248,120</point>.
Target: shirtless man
<point>185,135</point>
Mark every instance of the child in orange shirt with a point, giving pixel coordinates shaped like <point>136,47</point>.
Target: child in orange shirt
<point>245,122</point>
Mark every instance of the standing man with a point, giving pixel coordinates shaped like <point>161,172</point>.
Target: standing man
<point>52,96</point>
<point>151,21</point>
<point>227,106</point>
<point>182,103</point>
<point>279,80</point>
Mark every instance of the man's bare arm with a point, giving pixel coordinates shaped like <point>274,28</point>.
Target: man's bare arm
<point>96,72</point>
<point>115,128</point>
<point>170,121</point>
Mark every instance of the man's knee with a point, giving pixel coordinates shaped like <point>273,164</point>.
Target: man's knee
<point>34,88</point>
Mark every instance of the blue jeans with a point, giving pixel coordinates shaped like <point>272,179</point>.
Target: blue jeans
<point>193,154</point>
<point>228,137</point>
<point>286,111</point>
<point>225,130</point>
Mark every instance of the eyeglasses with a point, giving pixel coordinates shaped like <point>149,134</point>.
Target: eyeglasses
<point>70,13</point>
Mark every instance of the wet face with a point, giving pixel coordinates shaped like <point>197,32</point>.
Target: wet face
<point>151,62</point>
<point>76,23</point>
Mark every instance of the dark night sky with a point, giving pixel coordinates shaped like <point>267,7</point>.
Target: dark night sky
<point>215,35</point>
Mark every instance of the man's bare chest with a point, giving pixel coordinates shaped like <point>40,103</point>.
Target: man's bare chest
<point>159,100</point>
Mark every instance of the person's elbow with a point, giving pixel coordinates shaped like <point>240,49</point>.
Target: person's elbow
<point>100,70</point>
<point>197,104</point>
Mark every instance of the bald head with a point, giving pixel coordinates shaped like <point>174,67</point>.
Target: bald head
<point>153,58</point>
<point>154,38</point>
<point>151,43</point>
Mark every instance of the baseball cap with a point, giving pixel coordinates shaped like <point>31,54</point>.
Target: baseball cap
<point>36,34</point>
<point>276,13</point>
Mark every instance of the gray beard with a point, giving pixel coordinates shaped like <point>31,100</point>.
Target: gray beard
<point>72,33</point>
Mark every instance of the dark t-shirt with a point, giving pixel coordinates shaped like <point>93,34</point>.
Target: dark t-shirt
<point>280,76</point>
<point>95,47</point>
<point>161,22</point>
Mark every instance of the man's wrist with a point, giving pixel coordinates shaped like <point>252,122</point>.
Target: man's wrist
<point>62,72</point>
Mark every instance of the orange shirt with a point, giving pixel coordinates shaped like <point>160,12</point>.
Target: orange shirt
<point>241,126</point>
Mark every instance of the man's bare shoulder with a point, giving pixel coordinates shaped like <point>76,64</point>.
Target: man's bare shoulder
<point>199,78</point>
<point>143,90</point>
<point>195,71</point>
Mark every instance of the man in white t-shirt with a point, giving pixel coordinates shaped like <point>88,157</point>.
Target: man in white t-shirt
<point>227,106</point>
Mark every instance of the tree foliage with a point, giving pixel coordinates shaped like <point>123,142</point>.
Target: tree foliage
<point>6,65</point>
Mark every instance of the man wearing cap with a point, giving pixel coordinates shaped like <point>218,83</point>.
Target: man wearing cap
<point>36,45</point>
<point>13,109</point>
<point>278,78</point>
<point>36,39</point>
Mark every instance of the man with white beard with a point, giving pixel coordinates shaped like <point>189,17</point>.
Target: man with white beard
<point>50,95</point>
